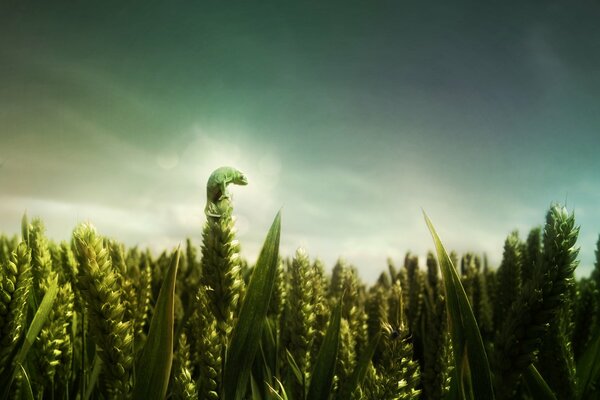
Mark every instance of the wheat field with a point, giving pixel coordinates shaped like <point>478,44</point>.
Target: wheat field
<point>92,319</point>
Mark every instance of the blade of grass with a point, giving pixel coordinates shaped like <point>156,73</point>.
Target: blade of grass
<point>246,335</point>
<point>265,361</point>
<point>273,392</point>
<point>538,388</point>
<point>38,321</point>
<point>95,374</point>
<point>269,348</point>
<point>154,365</point>
<point>295,369</point>
<point>588,368</point>
<point>465,332</point>
<point>454,318</point>
<point>255,389</point>
<point>358,375</point>
<point>323,372</point>
<point>27,390</point>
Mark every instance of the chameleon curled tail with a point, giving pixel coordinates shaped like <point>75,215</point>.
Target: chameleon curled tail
<point>216,188</point>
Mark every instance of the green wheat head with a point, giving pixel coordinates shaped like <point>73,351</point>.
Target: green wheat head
<point>205,347</point>
<point>221,267</point>
<point>519,339</point>
<point>184,386</point>
<point>298,329</point>
<point>17,285</point>
<point>98,282</point>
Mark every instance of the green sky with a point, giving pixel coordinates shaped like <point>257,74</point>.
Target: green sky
<point>351,116</point>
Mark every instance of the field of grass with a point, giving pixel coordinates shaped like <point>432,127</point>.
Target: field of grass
<point>90,318</point>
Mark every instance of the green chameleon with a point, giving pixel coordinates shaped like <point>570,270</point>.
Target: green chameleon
<point>216,187</point>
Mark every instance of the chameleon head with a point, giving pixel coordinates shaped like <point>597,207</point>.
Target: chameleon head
<point>240,179</point>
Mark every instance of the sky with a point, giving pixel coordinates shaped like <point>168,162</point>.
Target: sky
<point>350,117</point>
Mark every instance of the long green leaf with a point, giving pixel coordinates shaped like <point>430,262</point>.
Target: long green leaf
<point>294,367</point>
<point>246,335</point>
<point>358,375</point>
<point>273,392</point>
<point>466,337</point>
<point>154,366</point>
<point>26,385</point>
<point>538,388</point>
<point>256,392</point>
<point>454,318</point>
<point>265,362</point>
<point>588,368</point>
<point>269,349</point>
<point>39,319</point>
<point>322,374</point>
<point>95,374</point>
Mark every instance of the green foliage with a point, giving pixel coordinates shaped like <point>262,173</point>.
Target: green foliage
<point>586,315</point>
<point>16,286</point>
<point>299,319</point>
<point>436,366</point>
<point>206,347</point>
<point>352,386</point>
<point>508,276</point>
<point>322,375</point>
<point>532,254</point>
<point>472,371</point>
<point>519,339</point>
<point>38,321</point>
<point>93,319</point>
<point>222,267</point>
<point>184,387</point>
<point>98,283</point>
<point>246,335</point>
<point>154,364</point>
<point>397,375</point>
<point>538,388</point>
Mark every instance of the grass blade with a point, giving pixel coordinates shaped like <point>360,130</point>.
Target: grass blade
<point>255,389</point>
<point>274,394</point>
<point>466,337</point>
<point>538,388</point>
<point>294,367</point>
<point>588,368</point>
<point>39,319</point>
<point>26,388</point>
<point>322,374</point>
<point>247,333</point>
<point>154,366</point>
<point>358,375</point>
<point>95,374</point>
<point>265,361</point>
<point>269,349</point>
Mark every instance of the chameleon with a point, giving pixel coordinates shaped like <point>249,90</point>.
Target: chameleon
<point>216,187</point>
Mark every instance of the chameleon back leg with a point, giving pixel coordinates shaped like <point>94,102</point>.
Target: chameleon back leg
<point>211,210</point>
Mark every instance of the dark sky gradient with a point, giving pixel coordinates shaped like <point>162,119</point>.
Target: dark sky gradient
<point>352,116</point>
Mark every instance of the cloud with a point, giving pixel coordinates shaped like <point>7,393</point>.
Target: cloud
<point>552,75</point>
<point>89,144</point>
